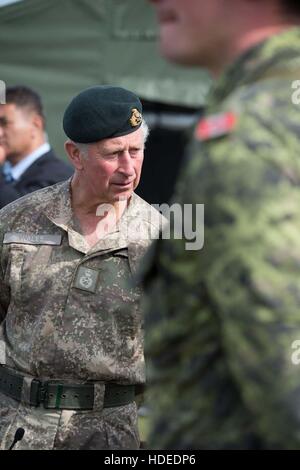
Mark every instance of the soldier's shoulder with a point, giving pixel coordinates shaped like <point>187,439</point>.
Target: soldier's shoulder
<point>262,97</point>
<point>254,113</point>
<point>27,206</point>
<point>255,131</point>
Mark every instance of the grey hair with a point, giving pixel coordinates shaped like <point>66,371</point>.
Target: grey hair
<point>84,148</point>
<point>146,130</point>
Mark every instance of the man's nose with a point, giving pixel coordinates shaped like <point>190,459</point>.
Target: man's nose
<point>126,164</point>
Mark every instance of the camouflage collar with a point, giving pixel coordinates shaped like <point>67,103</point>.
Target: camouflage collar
<point>119,238</point>
<point>59,212</point>
<point>279,50</point>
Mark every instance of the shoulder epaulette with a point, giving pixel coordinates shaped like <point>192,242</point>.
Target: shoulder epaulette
<point>216,125</point>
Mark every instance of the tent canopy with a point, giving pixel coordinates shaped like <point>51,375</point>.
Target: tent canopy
<point>59,47</point>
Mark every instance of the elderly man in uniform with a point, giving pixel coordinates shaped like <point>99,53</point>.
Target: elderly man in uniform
<point>223,322</point>
<point>71,327</point>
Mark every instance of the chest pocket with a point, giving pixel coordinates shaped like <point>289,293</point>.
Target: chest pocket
<point>119,297</point>
<point>13,271</point>
<point>26,271</point>
<point>116,273</point>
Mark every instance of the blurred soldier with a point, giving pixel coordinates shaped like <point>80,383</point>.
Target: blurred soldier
<point>71,322</point>
<point>223,321</point>
<point>28,163</point>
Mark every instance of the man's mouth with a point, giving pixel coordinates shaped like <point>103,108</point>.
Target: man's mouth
<point>124,184</point>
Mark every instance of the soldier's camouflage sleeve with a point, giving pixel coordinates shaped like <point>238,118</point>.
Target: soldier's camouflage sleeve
<point>221,322</point>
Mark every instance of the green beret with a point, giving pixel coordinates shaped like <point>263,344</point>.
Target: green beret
<point>102,112</point>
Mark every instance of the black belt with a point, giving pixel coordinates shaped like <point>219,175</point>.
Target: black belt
<point>61,395</point>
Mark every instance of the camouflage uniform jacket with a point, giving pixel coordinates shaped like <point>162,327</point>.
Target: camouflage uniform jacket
<point>68,312</point>
<point>222,321</point>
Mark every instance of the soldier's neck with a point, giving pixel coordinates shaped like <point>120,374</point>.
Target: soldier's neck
<point>239,43</point>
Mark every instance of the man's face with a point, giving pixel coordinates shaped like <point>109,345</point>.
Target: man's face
<point>16,131</point>
<point>113,168</point>
<point>190,29</point>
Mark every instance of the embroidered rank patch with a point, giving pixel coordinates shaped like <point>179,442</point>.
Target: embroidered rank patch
<point>31,239</point>
<point>215,126</point>
<point>86,279</point>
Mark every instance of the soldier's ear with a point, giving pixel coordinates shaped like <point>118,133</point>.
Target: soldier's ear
<point>74,154</point>
<point>38,122</point>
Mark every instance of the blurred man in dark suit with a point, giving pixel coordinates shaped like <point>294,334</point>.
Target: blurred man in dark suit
<point>26,159</point>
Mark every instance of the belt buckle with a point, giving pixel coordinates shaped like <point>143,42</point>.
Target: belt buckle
<point>36,392</point>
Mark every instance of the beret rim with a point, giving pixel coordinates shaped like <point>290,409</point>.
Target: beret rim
<point>118,134</point>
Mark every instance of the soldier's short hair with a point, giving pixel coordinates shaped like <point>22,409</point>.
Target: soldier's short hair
<point>291,6</point>
<point>25,97</point>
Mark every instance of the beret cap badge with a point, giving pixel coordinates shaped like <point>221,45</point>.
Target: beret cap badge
<point>136,117</point>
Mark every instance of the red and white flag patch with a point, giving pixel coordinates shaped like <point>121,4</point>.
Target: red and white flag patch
<point>215,126</point>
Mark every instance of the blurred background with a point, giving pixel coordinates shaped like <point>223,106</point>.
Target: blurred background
<point>59,47</point>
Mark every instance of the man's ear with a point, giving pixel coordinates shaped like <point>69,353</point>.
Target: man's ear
<point>74,154</point>
<point>38,122</point>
